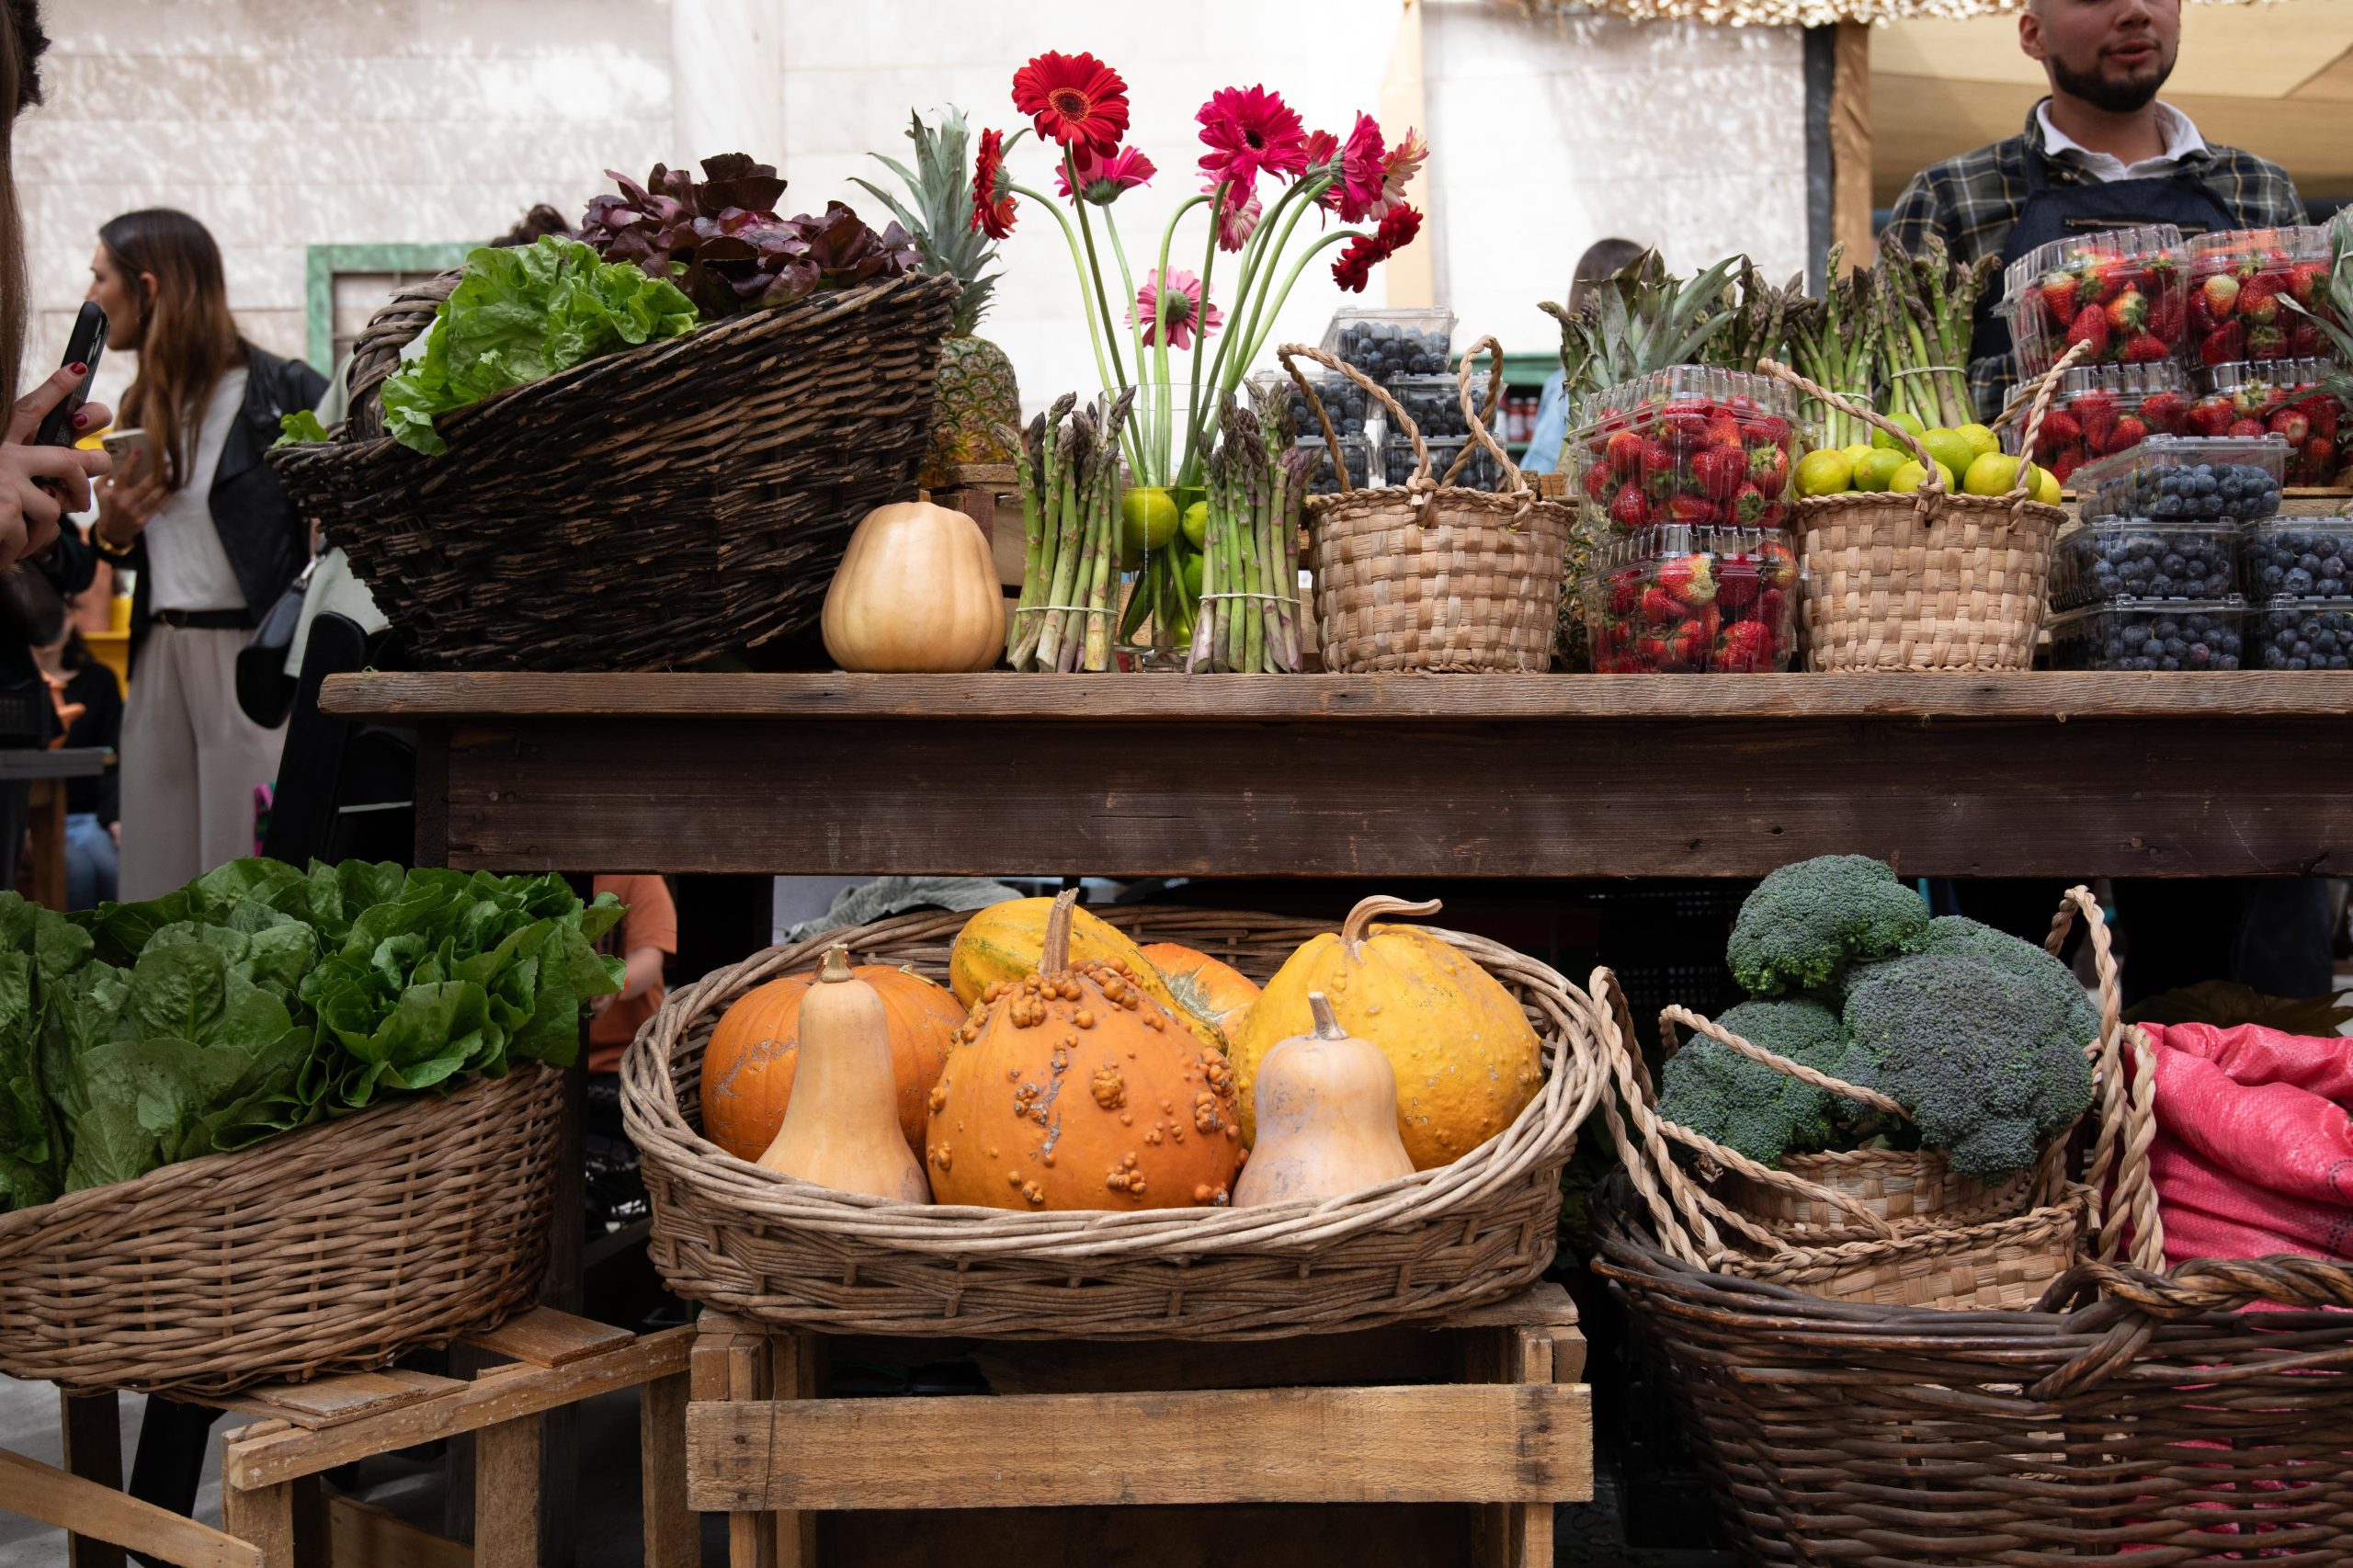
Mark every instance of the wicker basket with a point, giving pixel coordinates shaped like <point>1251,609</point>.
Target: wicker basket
<point>332,1249</point>
<point>1427,576</point>
<point>1905,1187</point>
<point>763,1246</point>
<point>1929,581</point>
<point>643,509</point>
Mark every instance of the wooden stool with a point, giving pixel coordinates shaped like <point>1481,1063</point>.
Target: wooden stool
<point>1446,1443</point>
<point>273,1513</point>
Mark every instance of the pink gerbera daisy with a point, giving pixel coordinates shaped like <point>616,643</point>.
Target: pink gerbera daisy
<point>1246,130</point>
<point>1238,219</point>
<point>1356,179</point>
<point>1397,171</point>
<point>1101,179</point>
<point>1176,310</point>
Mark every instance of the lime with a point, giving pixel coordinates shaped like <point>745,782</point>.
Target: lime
<point>1992,474</point>
<point>1886,442</point>
<point>2046,484</point>
<point>1875,470</point>
<point>1858,452</point>
<point>1949,448</point>
<point>1188,568</point>
<point>1825,473</point>
<point>1907,478</point>
<point>1196,524</point>
<point>1977,436</point>
<point>1147,520</point>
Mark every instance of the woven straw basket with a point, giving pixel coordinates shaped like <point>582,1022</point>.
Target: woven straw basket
<point>333,1249</point>
<point>763,1246</point>
<point>1930,581</point>
<point>1427,576</point>
<point>643,509</point>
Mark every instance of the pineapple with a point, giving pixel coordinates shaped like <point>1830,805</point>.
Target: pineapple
<point>974,403</point>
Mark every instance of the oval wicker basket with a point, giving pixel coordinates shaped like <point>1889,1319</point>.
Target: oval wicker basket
<point>763,1246</point>
<point>333,1249</point>
<point>640,510</point>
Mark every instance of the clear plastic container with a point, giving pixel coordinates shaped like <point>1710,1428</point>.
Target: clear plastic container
<point>2153,634</point>
<point>2112,558</point>
<point>1691,446</point>
<point>1682,600</point>
<point>2301,634</point>
<point>2238,282</point>
<point>1386,345</point>
<point>2125,291</point>
<point>1481,472</point>
<point>2100,409</point>
<point>2299,558</point>
<point>2288,398</point>
<point>2174,479</point>
<point>1357,451</point>
<point>1435,403</point>
<point>1353,410</point>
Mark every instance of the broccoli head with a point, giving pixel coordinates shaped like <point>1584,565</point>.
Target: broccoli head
<point>1984,1058</point>
<point>1806,923</point>
<point>1719,1094</point>
<point>1956,935</point>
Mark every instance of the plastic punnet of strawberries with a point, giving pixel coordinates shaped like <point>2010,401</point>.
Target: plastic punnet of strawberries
<point>1700,601</point>
<point>1688,446</point>
<point>2121,291</point>
<point>2283,397</point>
<point>2100,409</point>
<point>2238,282</point>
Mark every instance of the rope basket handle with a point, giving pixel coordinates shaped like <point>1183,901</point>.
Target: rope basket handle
<point>1480,435</point>
<point>1419,487</point>
<point>2125,1063</point>
<point>1782,1064</point>
<point>2132,1301</point>
<point>1931,489</point>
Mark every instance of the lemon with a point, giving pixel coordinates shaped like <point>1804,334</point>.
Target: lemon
<point>2046,486</point>
<point>1886,442</point>
<point>1196,524</point>
<point>1907,478</point>
<point>1992,474</point>
<point>1147,520</point>
<point>1825,473</point>
<point>1951,448</point>
<point>1875,470</point>
<point>1858,452</point>
<point>1980,438</point>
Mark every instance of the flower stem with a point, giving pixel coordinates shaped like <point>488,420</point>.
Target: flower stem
<point>1096,331</point>
<point>1094,270</point>
<point>1258,267</point>
<point>1264,322</point>
<point>1194,423</point>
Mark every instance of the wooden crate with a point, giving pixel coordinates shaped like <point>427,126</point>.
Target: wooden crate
<point>1443,1445</point>
<point>272,1509</point>
<point>990,494</point>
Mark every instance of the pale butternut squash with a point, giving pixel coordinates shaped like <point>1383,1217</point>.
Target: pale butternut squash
<point>841,1129</point>
<point>1326,1109</point>
<point>916,590</point>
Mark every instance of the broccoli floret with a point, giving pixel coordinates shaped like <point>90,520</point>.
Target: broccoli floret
<point>1744,1105</point>
<point>1957,936</point>
<point>1984,1058</point>
<point>1805,923</point>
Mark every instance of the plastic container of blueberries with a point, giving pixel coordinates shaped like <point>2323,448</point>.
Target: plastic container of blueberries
<point>1390,323</point>
<point>1481,473</point>
<point>1409,390</point>
<point>2110,487</point>
<point>2300,634</point>
<point>1357,451</point>
<point>2151,634</point>
<point>2105,558</point>
<point>2298,557</point>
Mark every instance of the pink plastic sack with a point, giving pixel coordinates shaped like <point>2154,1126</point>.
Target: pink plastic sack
<point>2254,1148</point>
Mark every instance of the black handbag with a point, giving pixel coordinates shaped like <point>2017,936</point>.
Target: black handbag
<point>265,690</point>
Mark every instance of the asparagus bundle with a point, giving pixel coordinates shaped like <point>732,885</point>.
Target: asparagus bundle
<point>1069,478</point>
<point>1832,345</point>
<point>1249,621</point>
<point>1924,309</point>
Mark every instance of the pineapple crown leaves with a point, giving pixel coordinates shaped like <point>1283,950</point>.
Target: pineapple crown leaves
<point>1641,319</point>
<point>941,187</point>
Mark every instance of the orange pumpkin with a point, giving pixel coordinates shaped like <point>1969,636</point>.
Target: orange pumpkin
<point>747,1068</point>
<point>1072,1088</point>
<point>1214,992</point>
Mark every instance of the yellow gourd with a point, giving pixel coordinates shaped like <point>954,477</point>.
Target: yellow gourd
<point>1466,1059</point>
<point>916,590</point>
<point>1327,1113</point>
<point>1003,944</point>
<point>841,1129</point>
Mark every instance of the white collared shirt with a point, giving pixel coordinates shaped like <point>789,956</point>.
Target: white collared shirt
<point>2181,141</point>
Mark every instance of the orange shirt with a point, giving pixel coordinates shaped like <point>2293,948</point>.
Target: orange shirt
<point>652,922</point>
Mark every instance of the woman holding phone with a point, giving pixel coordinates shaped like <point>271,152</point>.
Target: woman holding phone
<point>213,537</point>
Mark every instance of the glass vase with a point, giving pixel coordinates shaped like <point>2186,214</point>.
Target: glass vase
<point>1162,517</point>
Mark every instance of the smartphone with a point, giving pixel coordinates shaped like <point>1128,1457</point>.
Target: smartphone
<point>88,342</point>
<point>137,455</point>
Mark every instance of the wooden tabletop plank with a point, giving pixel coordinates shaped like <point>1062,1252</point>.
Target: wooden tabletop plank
<point>1401,699</point>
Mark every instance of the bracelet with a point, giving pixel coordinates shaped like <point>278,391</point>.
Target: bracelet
<point>99,543</point>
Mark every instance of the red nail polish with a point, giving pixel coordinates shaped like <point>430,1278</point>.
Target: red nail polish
<point>79,369</point>
<point>80,420</point>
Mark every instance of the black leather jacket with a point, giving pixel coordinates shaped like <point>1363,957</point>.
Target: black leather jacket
<point>266,540</point>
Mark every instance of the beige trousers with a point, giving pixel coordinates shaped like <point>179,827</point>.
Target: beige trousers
<point>192,761</point>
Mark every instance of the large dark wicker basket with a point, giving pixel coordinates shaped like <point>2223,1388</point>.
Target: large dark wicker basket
<point>648,508</point>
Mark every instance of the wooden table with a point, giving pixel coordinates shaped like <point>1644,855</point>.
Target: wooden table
<point>48,769</point>
<point>2064,775</point>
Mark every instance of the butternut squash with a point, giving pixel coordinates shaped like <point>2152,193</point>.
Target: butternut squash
<point>841,1129</point>
<point>1326,1109</point>
<point>916,590</point>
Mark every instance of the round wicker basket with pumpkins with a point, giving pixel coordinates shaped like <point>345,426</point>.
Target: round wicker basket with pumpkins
<point>1039,1122</point>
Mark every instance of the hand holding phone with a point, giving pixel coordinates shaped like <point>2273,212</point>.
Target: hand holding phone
<point>43,475</point>
<point>137,457</point>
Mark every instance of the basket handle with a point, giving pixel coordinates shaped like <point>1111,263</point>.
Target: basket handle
<point>2130,1303</point>
<point>1480,435</point>
<point>2035,411</point>
<point>1932,486</point>
<point>2126,1066</point>
<point>1764,1058</point>
<point>1417,487</point>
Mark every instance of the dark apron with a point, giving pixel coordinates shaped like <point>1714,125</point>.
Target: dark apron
<point>2053,212</point>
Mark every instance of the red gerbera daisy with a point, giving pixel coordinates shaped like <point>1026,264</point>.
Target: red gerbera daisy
<point>992,190</point>
<point>1356,181</point>
<point>1354,268</point>
<point>1249,130</point>
<point>1075,99</point>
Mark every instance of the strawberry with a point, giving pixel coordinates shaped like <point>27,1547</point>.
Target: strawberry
<point>1692,511</point>
<point>1690,578</point>
<point>2090,326</point>
<point>2064,465</point>
<point>2165,318</point>
<point>2060,296</point>
<point>1747,506</point>
<point>2259,301</point>
<point>2210,416</point>
<point>1684,432</point>
<point>2202,319</point>
<point>2098,415</point>
<point>1718,472</point>
<point>2266,343</point>
<point>1776,565</point>
<point>2306,282</point>
<point>2250,428</point>
<point>1625,453</point>
<point>1747,646</point>
<point>1771,430</point>
<point>1600,484</point>
<point>2128,313</point>
<point>1628,510</point>
<point>1625,592</point>
<point>2129,431</point>
<point>2303,341</point>
<point>1683,648</point>
<point>2321,412</point>
<point>2320,454</point>
<point>1723,430</point>
<point>1769,469</point>
<point>2146,348</point>
<point>1772,608</point>
<point>2060,428</point>
<point>2164,411</point>
<point>1659,461</point>
<point>2101,275</point>
<point>2225,343</point>
<point>2294,424</point>
<point>2219,294</point>
<point>1777,515</point>
<point>1660,607</point>
<point>1736,583</point>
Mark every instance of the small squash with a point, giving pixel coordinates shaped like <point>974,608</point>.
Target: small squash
<point>842,1129</point>
<point>1005,942</point>
<point>1211,991</point>
<point>747,1068</point>
<point>1466,1058</point>
<point>916,590</point>
<point>1325,1105</point>
<point>1072,1088</point>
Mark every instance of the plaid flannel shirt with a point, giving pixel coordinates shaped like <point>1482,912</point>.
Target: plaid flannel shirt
<point>1972,202</point>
